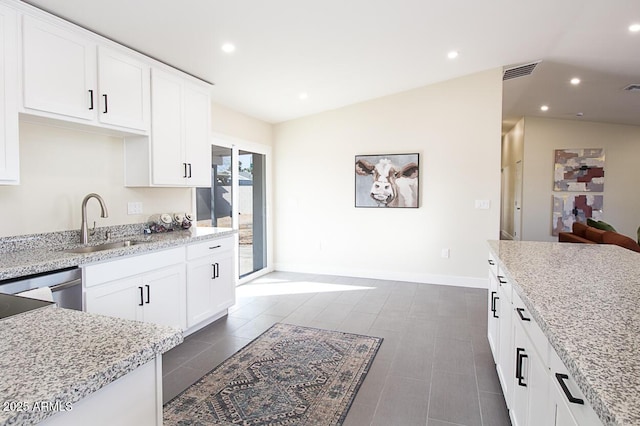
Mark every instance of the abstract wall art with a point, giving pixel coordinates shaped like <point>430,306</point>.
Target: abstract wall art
<point>579,170</point>
<point>574,208</point>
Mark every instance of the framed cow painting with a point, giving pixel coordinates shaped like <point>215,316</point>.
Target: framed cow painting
<point>387,180</point>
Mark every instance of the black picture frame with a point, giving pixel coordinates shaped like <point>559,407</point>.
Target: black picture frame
<point>387,180</point>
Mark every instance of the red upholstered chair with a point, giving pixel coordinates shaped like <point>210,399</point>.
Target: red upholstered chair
<point>621,240</point>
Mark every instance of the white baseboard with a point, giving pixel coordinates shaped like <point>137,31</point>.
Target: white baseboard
<point>422,278</point>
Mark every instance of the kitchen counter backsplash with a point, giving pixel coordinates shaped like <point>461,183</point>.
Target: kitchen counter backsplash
<point>68,238</point>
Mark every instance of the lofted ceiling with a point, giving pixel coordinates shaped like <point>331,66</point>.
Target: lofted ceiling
<point>340,52</point>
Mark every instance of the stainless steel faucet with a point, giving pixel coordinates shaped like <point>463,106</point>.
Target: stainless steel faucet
<point>84,231</point>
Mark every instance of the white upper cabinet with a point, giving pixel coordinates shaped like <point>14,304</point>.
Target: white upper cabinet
<point>123,84</point>
<point>178,151</point>
<point>9,161</point>
<point>67,75</point>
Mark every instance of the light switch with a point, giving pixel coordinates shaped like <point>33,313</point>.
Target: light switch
<point>483,204</point>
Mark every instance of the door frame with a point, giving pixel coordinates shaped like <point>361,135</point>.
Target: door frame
<point>236,145</point>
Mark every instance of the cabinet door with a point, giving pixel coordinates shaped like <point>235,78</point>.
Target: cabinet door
<point>169,167</point>
<point>200,290</point>
<point>121,299</point>
<point>224,290</point>
<point>504,365</point>
<point>59,70</point>
<point>493,321</point>
<point>530,404</point>
<point>196,135</point>
<point>9,161</point>
<point>164,296</point>
<point>123,82</point>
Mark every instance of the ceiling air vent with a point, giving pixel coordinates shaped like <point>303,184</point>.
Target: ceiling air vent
<point>519,71</point>
<point>633,88</point>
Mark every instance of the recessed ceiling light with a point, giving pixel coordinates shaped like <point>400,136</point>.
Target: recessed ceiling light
<point>303,95</point>
<point>575,81</point>
<point>228,48</point>
<point>452,55</point>
<point>544,108</point>
<point>634,28</point>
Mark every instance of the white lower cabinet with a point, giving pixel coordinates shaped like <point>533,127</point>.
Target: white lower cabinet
<point>186,287</point>
<point>537,387</point>
<point>210,279</point>
<point>149,287</point>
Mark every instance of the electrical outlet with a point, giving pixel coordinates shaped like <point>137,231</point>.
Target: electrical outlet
<point>134,207</point>
<point>445,253</point>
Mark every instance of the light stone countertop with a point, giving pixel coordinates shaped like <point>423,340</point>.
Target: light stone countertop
<point>586,299</point>
<point>56,355</point>
<point>36,253</point>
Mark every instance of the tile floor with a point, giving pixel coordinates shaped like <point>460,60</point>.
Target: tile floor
<point>434,367</point>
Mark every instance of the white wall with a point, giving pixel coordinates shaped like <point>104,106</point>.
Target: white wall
<point>622,174</point>
<point>237,126</point>
<point>58,167</point>
<point>454,126</point>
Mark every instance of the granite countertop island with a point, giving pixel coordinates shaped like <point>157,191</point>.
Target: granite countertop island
<point>32,254</point>
<point>585,298</point>
<point>58,356</point>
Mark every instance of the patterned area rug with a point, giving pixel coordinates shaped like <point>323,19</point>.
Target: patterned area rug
<point>289,375</point>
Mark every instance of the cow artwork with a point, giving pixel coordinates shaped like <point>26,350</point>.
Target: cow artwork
<point>387,180</point>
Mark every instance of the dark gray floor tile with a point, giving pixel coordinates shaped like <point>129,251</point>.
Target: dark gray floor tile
<point>486,372</point>
<point>434,422</point>
<point>393,321</point>
<point>403,402</point>
<point>220,328</point>
<point>182,353</point>
<point>217,353</point>
<point>454,398</point>
<point>357,322</point>
<point>454,356</point>
<point>457,328</point>
<point>256,326</point>
<point>413,359</point>
<point>371,389</point>
<point>359,415</point>
<point>390,343</point>
<point>494,410</point>
<point>334,313</point>
<point>178,380</point>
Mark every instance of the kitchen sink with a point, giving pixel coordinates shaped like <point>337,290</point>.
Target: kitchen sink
<point>105,246</point>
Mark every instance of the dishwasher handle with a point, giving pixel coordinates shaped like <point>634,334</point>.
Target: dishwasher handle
<point>65,285</point>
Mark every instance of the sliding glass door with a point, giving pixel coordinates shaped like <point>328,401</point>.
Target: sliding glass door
<point>237,198</point>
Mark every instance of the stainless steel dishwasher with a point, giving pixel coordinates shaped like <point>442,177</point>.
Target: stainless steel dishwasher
<point>65,285</point>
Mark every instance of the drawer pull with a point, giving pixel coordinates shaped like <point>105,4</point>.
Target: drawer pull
<point>148,293</point>
<point>491,262</point>
<point>215,247</point>
<point>520,355</point>
<point>494,297</point>
<point>215,273</point>
<point>141,296</point>
<point>561,378</point>
<point>501,279</point>
<point>522,317</point>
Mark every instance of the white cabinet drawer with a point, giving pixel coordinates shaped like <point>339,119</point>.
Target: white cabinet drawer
<point>570,398</point>
<point>111,270</point>
<point>210,247</point>
<point>522,315</point>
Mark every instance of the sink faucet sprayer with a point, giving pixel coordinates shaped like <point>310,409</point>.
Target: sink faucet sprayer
<point>84,232</point>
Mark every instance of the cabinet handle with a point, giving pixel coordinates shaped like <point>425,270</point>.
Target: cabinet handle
<point>493,304</point>
<point>561,378</point>
<point>185,170</point>
<point>141,297</point>
<point>520,355</point>
<point>148,293</point>
<point>491,262</point>
<point>189,170</point>
<point>501,279</point>
<point>215,247</point>
<point>522,317</point>
<point>90,99</point>
<point>215,271</point>
<point>105,104</point>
